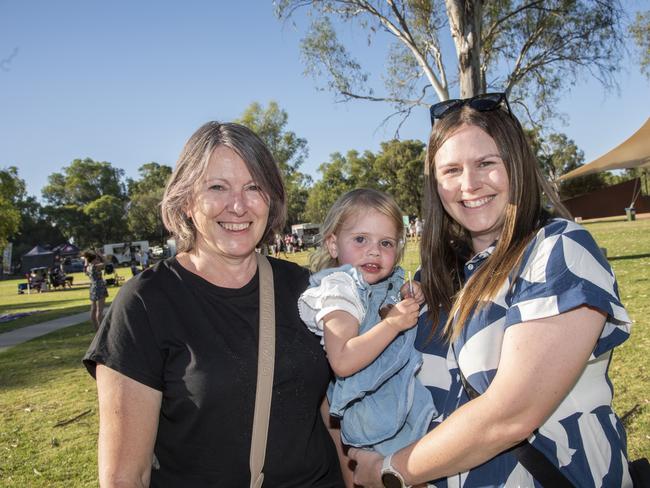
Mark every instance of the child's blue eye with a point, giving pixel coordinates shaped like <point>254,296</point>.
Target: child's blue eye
<point>360,239</point>
<point>387,244</point>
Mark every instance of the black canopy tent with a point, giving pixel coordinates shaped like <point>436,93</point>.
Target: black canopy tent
<point>36,258</point>
<point>66,250</point>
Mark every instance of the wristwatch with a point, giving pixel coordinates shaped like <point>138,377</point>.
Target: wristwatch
<point>390,477</point>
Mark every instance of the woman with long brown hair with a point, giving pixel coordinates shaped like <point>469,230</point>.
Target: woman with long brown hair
<point>522,316</point>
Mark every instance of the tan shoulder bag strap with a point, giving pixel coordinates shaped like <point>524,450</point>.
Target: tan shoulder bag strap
<point>265,363</point>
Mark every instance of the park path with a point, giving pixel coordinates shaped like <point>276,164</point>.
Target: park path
<point>18,336</point>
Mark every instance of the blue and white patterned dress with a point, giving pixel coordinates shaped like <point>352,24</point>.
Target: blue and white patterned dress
<point>562,269</point>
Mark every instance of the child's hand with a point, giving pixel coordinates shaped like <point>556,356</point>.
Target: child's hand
<point>418,295</point>
<point>404,315</point>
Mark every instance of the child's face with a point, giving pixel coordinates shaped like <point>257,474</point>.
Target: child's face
<point>368,241</point>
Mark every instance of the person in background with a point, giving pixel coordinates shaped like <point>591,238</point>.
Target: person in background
<point>176,358</point>
<point>356,303</point>
<point>94,265</point>
<point>146,259</point>
<point>134,267</point>
<point>418,228</point>
<point>279,247</point>
<point>523,314</point>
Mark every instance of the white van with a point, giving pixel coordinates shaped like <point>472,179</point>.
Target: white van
<point>308,232</point>
<point>122,253</point>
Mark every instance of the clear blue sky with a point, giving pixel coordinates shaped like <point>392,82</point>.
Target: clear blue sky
<point>129,81</point>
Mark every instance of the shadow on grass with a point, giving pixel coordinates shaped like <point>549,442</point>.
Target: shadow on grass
<point>43,359</point>
<point>631,256</point>
<point>42,316</point>
<point>40,305</point>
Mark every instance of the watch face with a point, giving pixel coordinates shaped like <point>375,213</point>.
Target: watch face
<point>389,480</point>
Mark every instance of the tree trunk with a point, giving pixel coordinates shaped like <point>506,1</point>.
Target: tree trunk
<point>465,24</point>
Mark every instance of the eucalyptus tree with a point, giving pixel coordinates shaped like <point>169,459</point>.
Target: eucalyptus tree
<point>533,50</point>
<point>640,31</point>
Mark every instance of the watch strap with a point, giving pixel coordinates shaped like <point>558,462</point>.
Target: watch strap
<point>387,468</point>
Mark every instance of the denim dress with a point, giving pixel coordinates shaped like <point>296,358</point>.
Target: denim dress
<point>383,406</point>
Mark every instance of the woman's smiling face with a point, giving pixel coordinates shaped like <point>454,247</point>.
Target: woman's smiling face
<point>473,183</point>
<point>230,210</point>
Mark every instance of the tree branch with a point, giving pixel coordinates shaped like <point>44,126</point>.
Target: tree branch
<point>6,62</point>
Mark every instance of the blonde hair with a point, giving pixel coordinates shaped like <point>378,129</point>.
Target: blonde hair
<point>445,244</point>
<point>347,205</point>
<point>193,164</point>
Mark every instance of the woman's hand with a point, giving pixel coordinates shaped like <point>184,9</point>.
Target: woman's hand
<point>367,472</point>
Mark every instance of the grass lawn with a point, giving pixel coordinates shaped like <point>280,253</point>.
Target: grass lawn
<point>48,305</point>
<point>628,251</point>
<point>48,409</point>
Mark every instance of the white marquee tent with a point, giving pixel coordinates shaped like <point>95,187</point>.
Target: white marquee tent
<point>632,153</point>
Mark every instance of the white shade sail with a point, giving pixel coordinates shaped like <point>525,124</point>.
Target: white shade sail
<point>632,153</point>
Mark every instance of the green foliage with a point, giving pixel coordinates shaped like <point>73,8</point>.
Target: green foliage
<point>87,190</point>
<point>153,179</point>
<point>321,50</point>
<point>557,155</point>
<point>35,228</point>
<point>72,222</point>
<point>399,168</point>
<point>144,218</point>
<point>9,220</point>
<point>531,50</point>
<point>83,182</point>
<point>10,189</point>
<point>341,174</point>
<point>640,31</point>
<point>287,148</point>
<point>106,215</point>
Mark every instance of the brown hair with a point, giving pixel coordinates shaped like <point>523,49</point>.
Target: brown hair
<point>192,166</point>
<point>349,204</point>
<point>444,241</point>
<point>90,255</point>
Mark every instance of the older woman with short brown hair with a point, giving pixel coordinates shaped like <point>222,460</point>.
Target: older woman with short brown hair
<point>176,358</point>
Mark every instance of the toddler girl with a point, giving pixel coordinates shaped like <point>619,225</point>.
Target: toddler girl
<point>376,394</point>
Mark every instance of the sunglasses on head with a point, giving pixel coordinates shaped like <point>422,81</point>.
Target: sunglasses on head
<point>482,103</point>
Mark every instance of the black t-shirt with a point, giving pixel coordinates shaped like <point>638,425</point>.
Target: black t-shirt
<point>197,343</point>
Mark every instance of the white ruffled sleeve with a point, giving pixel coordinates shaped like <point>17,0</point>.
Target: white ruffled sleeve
<point>337,291</point>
